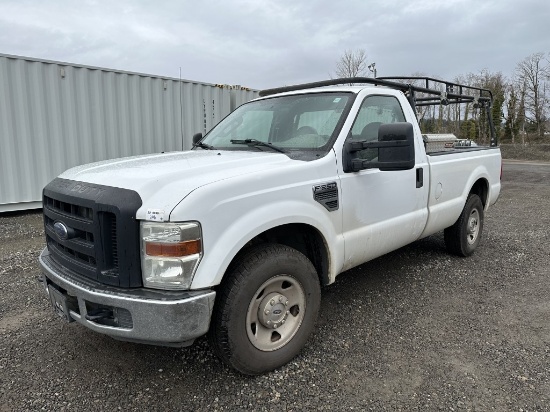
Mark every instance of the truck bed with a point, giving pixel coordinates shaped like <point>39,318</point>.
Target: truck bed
<point>452,175</point>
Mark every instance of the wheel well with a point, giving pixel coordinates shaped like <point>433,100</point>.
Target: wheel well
<point>481,188</point>
<point>304,238</point>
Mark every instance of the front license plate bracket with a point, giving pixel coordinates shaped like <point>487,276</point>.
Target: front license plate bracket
<point>61,303</point>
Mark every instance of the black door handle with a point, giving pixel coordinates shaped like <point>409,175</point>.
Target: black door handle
<point>419,177</point>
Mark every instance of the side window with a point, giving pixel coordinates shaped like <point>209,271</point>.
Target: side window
<point>374,111</point>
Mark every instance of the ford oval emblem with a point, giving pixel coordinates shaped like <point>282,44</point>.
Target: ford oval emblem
<point>61,230</point>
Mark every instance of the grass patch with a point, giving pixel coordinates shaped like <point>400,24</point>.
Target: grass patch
<point>527,152</point>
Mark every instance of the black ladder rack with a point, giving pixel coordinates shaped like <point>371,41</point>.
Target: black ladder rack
<point>453,93</point>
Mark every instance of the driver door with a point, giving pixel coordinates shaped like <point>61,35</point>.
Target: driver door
<point>384,210</point>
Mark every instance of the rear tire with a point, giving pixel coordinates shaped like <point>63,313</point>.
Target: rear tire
<point>463,237</point>
<point>266,309</point>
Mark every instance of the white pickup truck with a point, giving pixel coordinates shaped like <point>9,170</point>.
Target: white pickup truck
<point>235,238</point>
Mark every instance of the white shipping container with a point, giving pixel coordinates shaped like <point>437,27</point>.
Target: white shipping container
<point>56,115</point>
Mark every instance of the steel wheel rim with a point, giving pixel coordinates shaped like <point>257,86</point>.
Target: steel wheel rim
<point>472,230</point>
<point>275,313</point>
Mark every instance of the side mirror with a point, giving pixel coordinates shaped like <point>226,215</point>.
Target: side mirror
<point>395,149</point>
<point>197,137</point>
<point>400,156</point>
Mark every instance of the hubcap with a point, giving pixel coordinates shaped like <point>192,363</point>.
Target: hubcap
<point>273,310</point>
<point>275,313</point>
<point>473,227</point>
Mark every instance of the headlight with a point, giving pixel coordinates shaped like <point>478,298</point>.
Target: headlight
<point>170,254</point>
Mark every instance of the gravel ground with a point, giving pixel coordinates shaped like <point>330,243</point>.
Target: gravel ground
<point>415,330</point>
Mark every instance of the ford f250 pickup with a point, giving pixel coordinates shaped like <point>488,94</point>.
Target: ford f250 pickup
<point>235,237</point>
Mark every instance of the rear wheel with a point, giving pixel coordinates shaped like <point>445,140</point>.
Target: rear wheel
<point>266,309</point>
<point>464,236</point>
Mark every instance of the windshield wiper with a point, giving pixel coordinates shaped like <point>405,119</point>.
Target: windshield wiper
<point>255,142</point>
<point>204,146</point>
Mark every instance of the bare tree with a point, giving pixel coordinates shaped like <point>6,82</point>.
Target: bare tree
<point>512,124</point>
<point>533,73</point>
<point>353,63</point>
<point>497,84</point>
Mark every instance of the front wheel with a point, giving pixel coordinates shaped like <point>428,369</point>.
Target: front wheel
<point>266,309</point>
<point>464,236</point>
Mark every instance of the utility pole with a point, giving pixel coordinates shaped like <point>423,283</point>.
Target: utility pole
<point>372,68</point>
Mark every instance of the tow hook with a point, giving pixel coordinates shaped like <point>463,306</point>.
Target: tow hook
<point>98,314</point>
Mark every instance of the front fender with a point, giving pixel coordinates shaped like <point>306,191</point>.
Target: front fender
<point>221,247</point>
<point>234,211</point>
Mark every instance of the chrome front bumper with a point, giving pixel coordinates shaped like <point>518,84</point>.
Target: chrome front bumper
<point>141,315</point>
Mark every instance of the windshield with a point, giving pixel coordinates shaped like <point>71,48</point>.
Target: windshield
<point>293,123</point>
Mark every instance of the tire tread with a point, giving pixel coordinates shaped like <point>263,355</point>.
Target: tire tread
<point>237,273</point>
<point>454,236</point>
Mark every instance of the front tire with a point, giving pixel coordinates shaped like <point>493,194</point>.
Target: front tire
<point>266,309</point>
<point>463,237</point>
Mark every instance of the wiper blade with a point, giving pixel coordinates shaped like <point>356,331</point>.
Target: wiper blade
<point>204,146</point>
<point>255,142</point>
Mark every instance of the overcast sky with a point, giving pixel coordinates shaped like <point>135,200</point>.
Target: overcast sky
<point>269,43</point>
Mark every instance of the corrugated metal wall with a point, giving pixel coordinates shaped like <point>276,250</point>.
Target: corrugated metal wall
<point>240,95</point>
<point>57,115</point>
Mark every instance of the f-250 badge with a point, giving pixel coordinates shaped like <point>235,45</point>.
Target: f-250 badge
<point>324,187</point>
<point>327,195</point>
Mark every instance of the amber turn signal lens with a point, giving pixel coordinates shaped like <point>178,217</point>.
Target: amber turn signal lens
<point>179,249</point>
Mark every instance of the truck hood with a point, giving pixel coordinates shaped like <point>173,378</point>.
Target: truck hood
<point>164,180</point>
